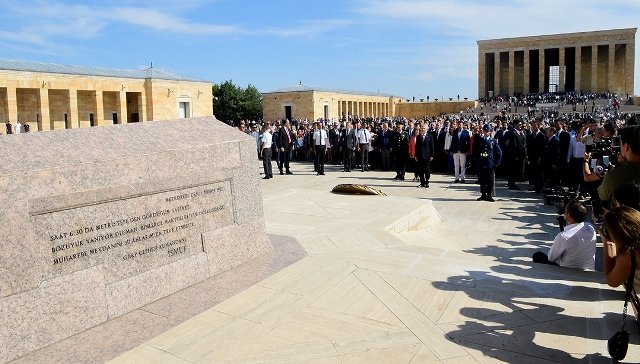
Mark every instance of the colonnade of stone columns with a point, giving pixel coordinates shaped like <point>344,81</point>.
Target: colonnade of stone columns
<point>601,61</point>
<point>363,108</point>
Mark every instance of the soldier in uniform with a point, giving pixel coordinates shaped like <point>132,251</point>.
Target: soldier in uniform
<point>489,155</point>
<point>400,148</point>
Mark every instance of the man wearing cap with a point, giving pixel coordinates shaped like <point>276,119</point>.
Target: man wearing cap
<point>489,155</point>
<point>400,145</point>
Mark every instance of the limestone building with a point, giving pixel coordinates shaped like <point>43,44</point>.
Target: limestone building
<point>596,61</point>
<point>302,102</point>
<point>52,96</point>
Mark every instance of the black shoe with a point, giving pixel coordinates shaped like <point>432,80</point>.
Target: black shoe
<point>462,181</point>
<point>281,172</point>
<point>490,199</point>
<point>456,181</point>
<point>322,173</point>
<point>426,186</point>
<point>289,172</point>
<point>348,170</point>
<point>270,176</point>
<point>514,188</point>
<point>481,198</point>
<point>265,177</point>
<point>401,178</point>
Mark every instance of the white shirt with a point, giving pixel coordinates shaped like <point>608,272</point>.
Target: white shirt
<point>266,139</point>
<point>18,128</point>
<point>364,136</point>
<point>575,247</point>
<point>320,137</point>
<point>448,138</point>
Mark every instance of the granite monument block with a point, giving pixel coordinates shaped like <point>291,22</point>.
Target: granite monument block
<point>97,222</point>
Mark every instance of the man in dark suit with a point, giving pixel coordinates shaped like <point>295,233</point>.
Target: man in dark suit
<point>551,158</point>
<point>564,139</point>
<point>348,142</point>
<point>400,148</point>
<point>424,151</point>
<point>489,155</point>
<point>538,145</point>
<point>515,153</point>
<point>334,140</point>
<point>287,140</point>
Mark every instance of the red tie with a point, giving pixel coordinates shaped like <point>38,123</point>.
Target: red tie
<point>288,136</point>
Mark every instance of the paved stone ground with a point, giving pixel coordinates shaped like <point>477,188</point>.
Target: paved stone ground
<point>387,279</point>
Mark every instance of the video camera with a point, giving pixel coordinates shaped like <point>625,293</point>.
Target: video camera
<point>606,150</point>
<point>559,197</point>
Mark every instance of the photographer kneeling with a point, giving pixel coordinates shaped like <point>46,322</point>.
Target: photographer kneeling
<point>575,247</point>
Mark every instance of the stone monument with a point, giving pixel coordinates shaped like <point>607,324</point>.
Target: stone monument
<point>100,221</point>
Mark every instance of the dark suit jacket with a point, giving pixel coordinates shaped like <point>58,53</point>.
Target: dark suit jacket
<point>284,141</point>
<point>565,139</point>
<point>551,154</point>
<point>348,138</point>
<point>515,144</point>
<point>425,149</point>
<point>460,144</point>
<point>539,145</point>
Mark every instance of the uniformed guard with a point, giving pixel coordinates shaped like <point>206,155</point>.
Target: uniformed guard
<point>489,155</point>
<point>400,149</point>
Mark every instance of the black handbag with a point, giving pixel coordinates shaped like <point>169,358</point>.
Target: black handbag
<point>618,343</point>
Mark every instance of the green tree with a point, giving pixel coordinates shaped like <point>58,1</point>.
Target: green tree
<point>231,102</point>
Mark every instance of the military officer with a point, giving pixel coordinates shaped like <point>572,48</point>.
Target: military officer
<point>400,149</point>
<point>489,155</point>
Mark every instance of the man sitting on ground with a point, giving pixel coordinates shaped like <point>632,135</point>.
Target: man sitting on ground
<point>575,247</point>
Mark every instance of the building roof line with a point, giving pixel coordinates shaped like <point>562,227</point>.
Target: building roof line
<point>574,34</point>
<point>42,67</point>
<point>303,88</point>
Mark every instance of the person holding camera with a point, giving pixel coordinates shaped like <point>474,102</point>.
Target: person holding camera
<point>628,168</point>
<point>575,247</point>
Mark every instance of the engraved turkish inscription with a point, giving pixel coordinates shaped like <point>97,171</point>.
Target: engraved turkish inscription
<point>132,235</point>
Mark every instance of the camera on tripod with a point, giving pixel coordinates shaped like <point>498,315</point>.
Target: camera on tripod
<point>560,198</point>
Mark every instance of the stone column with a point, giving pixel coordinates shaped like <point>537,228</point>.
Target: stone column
<point>541,70</point>
<point>73,117</point>
<point>99,107</point>
<point>122,108</point>
<point>44,122</point>
<point>611,81</point>
<point>629,66</point>
<point>482,74</point>
<point>527,72</point>
<point>578,75</point>
<point>12,103</point>
<point>496,74</point>
<point>142,107</point>
<point>594,68</point>
<point>512,72</point>
<point>563,68</point>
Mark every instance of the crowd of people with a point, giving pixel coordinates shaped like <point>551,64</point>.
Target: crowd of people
<point>594,157</point>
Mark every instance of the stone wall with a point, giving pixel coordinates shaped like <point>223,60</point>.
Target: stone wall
<point>101,221</point>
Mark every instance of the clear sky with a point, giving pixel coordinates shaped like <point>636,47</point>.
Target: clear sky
<point>403,47</point>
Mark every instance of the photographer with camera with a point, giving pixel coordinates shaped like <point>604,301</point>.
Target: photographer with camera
<point>628,168</point>
<point>575,247</point>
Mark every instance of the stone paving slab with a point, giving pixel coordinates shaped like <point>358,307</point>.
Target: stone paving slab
<point>459,289</point>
